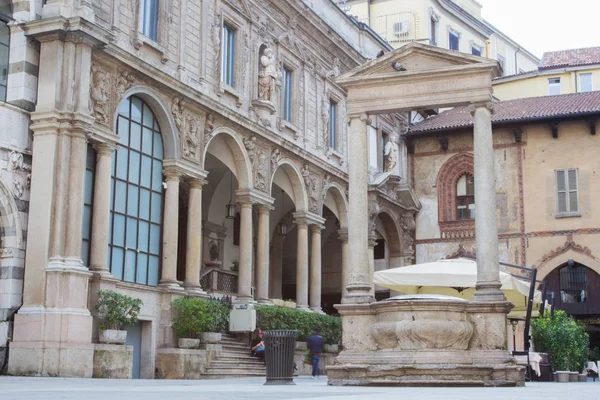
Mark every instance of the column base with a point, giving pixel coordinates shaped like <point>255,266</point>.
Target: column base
<point>195,291</point>
<point>264,302</point>
<point>488,292</point>
<point>55,343</point>
<point>169,285</point>
<point>358,293</point>
<point>302,307</point>
<point>244,300</point>
<point>317,310</point>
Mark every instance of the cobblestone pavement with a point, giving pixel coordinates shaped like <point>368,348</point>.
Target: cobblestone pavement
<point>13,388</point>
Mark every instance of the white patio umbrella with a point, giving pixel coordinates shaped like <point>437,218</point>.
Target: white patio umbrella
<point>454,277</point>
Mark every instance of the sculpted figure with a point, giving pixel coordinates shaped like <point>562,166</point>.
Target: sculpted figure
<point>99,94</point>
<point>266,75</point>
<point>391,155</point>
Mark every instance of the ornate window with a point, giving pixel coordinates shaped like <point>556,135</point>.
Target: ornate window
<point>573,285</point>
<point>149,18</point>
<point>88,197</point>
<point>228,55</point>
<point>286,94</point>
<point>332,129</point>
<point>136,196</point>
<point>465,197</point>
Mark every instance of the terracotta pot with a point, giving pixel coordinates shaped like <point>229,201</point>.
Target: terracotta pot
<point>210,337</point>
<point>582,377</point>
<point>187,343</point>
<point>112,336</point>
<point>573,376</point>
<point>563,376</point>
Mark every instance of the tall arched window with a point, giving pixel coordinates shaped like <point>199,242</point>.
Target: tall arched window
<point>465,197</point>
<point>136,193</point>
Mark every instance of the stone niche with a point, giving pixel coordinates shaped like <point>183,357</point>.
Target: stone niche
<point>425,340</point>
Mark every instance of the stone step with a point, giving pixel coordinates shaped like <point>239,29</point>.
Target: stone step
<point>230,362</point>
<point>235,347</point>
<point>231,372</point>
<point>223,357</point>
<point>231,367</point>
<point>245,353</point>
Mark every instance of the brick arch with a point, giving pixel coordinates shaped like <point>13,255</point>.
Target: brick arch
<point>447,179</point>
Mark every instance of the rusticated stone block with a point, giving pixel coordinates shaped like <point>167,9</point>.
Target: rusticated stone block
<point>113,361</point>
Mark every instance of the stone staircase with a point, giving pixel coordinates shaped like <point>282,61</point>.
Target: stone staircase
<point>235,361</point>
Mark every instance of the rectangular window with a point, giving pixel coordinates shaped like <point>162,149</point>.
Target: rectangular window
<point>553,86</point>
<point>585,83</point>
<point>567,196</point>
<point>333,124</point>
<point>4,49</point>
<point>433,28</point>
<point>88,197</point>
<point>475,51</point>
<point>149,18</point>
<point>501,61</point>
<point>453,41</point>
<point>286,94</point>
<point>228,55</point>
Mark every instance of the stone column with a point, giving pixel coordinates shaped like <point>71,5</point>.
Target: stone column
<point>74,212</point>
<point>262,255</point>
<point>275,275</point>
<point>486,225</point>
<point>245,267</point>
<point>101,209</point>
<point>372,244</point>
<point>193,253</point>
<point>358,227</point>
<point>315,268</point>
<point>170,230</point>
<point>344,238</point>
<point>302,263</point>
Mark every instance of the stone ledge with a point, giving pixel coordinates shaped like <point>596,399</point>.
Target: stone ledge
<point>174,363</point>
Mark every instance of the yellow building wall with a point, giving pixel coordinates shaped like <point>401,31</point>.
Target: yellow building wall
<point>538,85</point>
<point>543,240</point>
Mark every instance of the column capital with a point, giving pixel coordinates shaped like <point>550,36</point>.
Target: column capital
<point>305,218</point>
<point>172,174</point>
<point>316,227</point>
<point>185,169</point>
<point>343,234</point>
<point>364,117</point>
<point>474,106</point>
<point>253,196</point>
<point>196,182</point>
<point>104,148</point>
<point>264,209</point>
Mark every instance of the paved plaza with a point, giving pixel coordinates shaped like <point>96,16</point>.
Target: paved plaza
<point>252,388</point>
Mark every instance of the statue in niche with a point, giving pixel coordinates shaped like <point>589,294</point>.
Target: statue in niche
<point>266,75</point>
<point>213,250</point>
<point>391,155</point>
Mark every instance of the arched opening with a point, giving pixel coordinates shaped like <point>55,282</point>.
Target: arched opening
<point>387,252</point>
<point>287,188</point>
<point>575,288</point>
<point>228,167</point>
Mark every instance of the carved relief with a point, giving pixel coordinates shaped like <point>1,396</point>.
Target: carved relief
<point>209,125</point>
<point>569,245</point>
<point>188,127</point>
<point>311,181</point>
<point>325,184</point>
<point>325,120</point>
<point>21,174</point>
<point>407,223</point>
<point>100,94</point>
<point>334,72</point>
<point>177,107</point>
<point>124,81</point>
<point>275,157</point>
<point>423,334</point>
<point>216,39</point>
<point>259,161</point>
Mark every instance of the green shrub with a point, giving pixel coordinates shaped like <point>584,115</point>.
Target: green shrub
<point>564,338</point>
<point>117,310</point>
<point>273,318</point>
<point>195,316</point>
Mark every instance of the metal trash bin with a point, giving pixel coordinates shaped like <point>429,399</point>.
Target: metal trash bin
<point>279,356</point>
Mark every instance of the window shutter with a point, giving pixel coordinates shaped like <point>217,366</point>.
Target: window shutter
<point>561,191</point>
<point>573,203</point>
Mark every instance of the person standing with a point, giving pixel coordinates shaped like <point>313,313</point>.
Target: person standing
<point>315,344</point>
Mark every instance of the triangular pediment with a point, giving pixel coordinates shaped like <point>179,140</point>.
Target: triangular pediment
<point>414,58</point>
<point>243,6</point>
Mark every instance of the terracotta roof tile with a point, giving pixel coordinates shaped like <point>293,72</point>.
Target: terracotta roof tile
<point>528,109</point>
<point>569,58</point>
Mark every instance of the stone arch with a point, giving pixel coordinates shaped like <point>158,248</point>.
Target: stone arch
<point>10,220</point>
<point>336,201</point>
<point>447,179</point>
<point>168,129</point>
<point>236,159</point>
<point>293,185</point>
<point>392,229</point>
<point>559,256</point>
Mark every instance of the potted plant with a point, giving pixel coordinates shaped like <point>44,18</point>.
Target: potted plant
<point>235,266</point>
<point>116,311</point>
<point>198,321</point>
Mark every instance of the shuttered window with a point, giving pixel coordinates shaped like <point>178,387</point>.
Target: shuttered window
<point>567,194</point>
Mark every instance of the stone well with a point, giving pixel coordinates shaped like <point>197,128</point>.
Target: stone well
<point>425,340</point>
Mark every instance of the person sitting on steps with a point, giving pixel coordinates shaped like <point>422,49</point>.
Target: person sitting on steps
<point>257,347</point>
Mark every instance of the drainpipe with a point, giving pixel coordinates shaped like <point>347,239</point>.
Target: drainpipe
<point>516,63</point>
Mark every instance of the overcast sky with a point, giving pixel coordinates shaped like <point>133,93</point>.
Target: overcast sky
<point>546,25</point>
